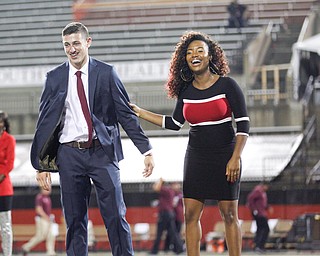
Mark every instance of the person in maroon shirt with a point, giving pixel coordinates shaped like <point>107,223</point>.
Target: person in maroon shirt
<point>166,217</point>
<point>257,202</point>
<point>178,210</point>
<point>178,205</point>
<point>43,224</point>
<point>7,155</point>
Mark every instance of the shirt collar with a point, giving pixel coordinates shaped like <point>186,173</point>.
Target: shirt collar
<point>84,69</point>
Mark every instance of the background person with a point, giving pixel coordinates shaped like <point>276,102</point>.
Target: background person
<point>77,134</point>
<point>7,156</point>
<point>178,211</point>
<point>210,101</point>
<point>257,201</point>
<point>237,18</point>
<point>44,220</point>
<point>166,218</point>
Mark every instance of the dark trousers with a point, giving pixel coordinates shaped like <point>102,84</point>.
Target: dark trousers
<point>77,168</point>
<point>167,245</point>
<point>236,22</point>
<point>166,221</point>
<point>262,232</point>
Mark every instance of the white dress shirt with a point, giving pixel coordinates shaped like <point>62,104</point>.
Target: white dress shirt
<point>75,127</point>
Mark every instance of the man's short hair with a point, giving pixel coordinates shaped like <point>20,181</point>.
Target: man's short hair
<point>75,27</point>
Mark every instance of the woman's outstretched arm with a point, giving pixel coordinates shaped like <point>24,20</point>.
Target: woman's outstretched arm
<point>151,117</point>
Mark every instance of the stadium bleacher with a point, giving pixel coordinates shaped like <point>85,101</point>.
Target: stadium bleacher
<point>123,32</point>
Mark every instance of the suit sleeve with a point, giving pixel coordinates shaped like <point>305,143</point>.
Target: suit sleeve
<point>126,117</point>
<point>45,142</point>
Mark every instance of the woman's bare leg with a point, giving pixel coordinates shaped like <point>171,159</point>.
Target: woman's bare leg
<point>193,210</point>
<point>229,214</point>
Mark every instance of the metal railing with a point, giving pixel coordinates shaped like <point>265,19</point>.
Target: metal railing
<point>264,93</point>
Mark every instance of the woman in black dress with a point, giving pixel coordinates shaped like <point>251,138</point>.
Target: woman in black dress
<point>209,101</point>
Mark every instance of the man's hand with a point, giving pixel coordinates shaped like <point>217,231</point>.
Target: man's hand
<point>149,165</point>
<point>44,180</point>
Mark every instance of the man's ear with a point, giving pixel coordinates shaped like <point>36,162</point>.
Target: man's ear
<point>89,41</point>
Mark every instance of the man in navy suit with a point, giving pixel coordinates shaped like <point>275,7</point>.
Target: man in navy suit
<point>65,143</point>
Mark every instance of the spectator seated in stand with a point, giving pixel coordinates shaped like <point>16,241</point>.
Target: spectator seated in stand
<point>237,17</point>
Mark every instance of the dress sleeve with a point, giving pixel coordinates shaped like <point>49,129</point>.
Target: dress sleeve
<point>176,121</point>
<point>238,107</point>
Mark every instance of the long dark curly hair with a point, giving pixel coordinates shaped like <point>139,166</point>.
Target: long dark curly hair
<point>178,63</point>
<point>4,118</point>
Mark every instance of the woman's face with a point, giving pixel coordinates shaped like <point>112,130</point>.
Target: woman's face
<point>198,57</point>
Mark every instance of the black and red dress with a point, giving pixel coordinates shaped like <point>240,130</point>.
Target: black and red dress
<point>210,114</point>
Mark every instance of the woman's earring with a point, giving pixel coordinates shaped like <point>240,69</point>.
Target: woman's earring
<point>184,77</point>
<point>213,68</point>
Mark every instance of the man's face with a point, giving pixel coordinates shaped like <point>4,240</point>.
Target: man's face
<point>76,48</point>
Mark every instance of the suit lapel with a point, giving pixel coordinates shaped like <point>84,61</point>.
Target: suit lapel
<point>93,76</point>
<point>65,76</point>
<point>62,80</point>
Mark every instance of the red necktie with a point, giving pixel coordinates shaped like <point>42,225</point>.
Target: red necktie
<point>84,106</point>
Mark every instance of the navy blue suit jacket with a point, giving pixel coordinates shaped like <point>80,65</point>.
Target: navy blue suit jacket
<point>109,106</point>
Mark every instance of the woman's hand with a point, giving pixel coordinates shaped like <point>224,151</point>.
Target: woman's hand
<point>234,164</point>
<point>135,108</point>
<point>233,169</point>
<point>147,115</point>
